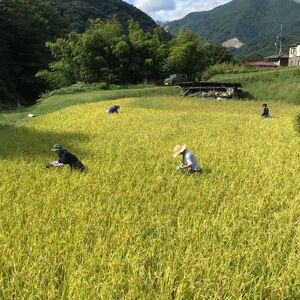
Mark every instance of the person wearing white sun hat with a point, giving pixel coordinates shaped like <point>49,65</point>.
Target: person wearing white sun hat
<point>189,160</point>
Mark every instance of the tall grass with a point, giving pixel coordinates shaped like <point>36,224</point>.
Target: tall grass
<point>134,228</point>
<point>227,68</point>
<point>279,85</point>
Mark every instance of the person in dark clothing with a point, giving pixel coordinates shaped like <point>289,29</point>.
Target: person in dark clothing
<point>266,111</point>
<point>113,109</point>
<point>65,158</point>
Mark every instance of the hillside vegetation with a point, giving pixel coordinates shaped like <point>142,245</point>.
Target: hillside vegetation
<point>276,85</point>
<point>131,227</point>
<point>256,23</point>
<point>79,12</point>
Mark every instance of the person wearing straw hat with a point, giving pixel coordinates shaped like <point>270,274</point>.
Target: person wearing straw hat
<point>189,160</point>
<point>65,158</point>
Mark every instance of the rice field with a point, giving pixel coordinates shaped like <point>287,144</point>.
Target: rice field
<point>131,227</point>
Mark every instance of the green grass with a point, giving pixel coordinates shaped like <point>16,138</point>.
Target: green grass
<point>134,228</point>
<point>281,85</point>
<point>58,102</point>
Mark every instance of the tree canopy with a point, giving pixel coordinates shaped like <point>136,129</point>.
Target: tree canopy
<point>105,53</point>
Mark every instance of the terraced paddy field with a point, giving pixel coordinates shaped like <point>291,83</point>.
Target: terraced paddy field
<point>131,227</point>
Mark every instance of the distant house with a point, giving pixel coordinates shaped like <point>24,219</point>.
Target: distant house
<point>281,60</point>
<point>273,61</point>
<point>294,55</point>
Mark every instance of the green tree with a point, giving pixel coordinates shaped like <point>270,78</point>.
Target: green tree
<point>187,54</point>
<point>25,26</point>
<point>65,69</point>
<point>89,57</point>
<point>217,54</point>
<point>105,53</point>
<point>148,52</point>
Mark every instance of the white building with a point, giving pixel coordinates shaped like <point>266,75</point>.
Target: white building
<point>294,55</point>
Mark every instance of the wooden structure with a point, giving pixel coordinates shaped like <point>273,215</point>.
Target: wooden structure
<point>206,89</point>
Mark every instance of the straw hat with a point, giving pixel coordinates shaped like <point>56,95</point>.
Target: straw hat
<point>178,149</point>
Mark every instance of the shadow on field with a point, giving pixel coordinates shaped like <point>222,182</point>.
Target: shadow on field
<point>22,142</point>
<point>298,123</point>
<point>247,95</point>
<point>205,172</point>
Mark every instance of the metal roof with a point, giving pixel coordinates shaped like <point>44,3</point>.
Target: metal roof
<point>277,56</point>
<point>263,64</point>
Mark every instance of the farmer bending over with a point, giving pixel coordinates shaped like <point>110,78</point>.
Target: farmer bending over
<point>113,109</point>
<point>65,158</point>
<point>266,112</point>
<point>189,160</point>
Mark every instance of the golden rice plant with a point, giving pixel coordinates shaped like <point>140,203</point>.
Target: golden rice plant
<point>131,227</point>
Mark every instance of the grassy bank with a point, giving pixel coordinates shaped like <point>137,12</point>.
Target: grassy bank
<point>57,102</point>
<point>281,85</point>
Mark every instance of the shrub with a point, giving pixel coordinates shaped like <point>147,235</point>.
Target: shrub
<point>80,87</point>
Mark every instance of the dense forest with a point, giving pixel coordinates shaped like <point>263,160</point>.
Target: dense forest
<point>25,26</point>
<point>44,46</point>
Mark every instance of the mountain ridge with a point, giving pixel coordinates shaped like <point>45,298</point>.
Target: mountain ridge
<point>256,23</point>
<point>79,12</point>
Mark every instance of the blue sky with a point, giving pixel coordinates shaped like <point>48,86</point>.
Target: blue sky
<point>168,10</point>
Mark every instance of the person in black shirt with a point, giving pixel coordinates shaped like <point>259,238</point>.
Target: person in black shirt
<point>65,158</point>
<point>266,111</point>
<point>113,109</point>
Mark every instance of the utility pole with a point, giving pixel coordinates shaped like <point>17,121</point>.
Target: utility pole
<point>278,43</point>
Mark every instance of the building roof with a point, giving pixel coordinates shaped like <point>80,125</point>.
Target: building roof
<point>264,64</point>
<point>277,56</point>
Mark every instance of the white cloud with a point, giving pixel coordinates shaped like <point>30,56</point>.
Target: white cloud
<point>168,10</point>
<point>152,6</point>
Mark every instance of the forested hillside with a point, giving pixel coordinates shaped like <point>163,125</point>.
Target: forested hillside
<point>26,26</point>
<point>78,12</point>
<point>256,23</point>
